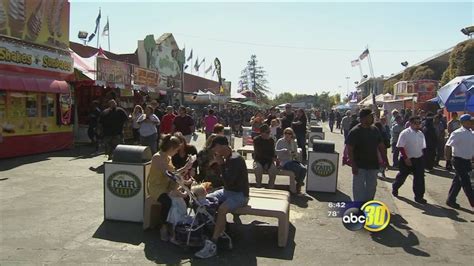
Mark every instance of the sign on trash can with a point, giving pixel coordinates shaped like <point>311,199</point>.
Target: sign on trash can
<point>322,170</point>
<point>125,183</point>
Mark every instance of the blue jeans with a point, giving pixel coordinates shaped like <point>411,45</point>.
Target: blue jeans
<point>396,154</point>
<point>301,141</point>
<point>232,199</point>
<point>364,185</point>
<point>150,141</point>
<point>297,168</point>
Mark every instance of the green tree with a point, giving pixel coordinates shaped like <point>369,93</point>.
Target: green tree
<point>461,61</point>
<point>253,77</point>
<point>423,72</point>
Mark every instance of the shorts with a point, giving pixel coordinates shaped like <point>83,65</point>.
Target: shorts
<point>233,200</point>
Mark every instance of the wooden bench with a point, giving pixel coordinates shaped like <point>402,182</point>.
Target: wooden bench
<point>281,172</point>
<point>270,203</point>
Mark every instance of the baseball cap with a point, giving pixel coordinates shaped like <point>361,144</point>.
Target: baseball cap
<point>365,112</point>
<point>465,117</point>
<point>219,140</point>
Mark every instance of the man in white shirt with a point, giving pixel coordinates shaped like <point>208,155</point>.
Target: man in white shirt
<point>460,146</point>
<point>411,143</point>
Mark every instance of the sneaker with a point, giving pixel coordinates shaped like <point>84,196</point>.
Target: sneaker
<point>453,204</point>
<point>421,200</point>
<point>209,250</point>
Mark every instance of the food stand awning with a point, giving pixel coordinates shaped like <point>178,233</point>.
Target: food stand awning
<point>23,83</point>
<point>454,95</point>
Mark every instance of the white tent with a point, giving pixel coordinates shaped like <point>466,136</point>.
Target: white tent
<point>379,99</point>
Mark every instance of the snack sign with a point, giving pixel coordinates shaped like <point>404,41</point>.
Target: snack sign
<point>113,71</point>
<point>16,55</point>
<point>43,22</point>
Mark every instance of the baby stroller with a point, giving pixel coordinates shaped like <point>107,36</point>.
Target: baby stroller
<point>200,221</point>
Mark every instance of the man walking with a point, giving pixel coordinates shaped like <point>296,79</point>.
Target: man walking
<point>460,146</point>
<point>411,143</point>
<point>346,124</point>
<point>364,142</point>
<point>112,120</point>
<point>397,128</point>
<point>184,123</point>
<point>453,124</point>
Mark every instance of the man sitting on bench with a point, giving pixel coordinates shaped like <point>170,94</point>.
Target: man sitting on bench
<point>235,193</point>
<point>264,148</point>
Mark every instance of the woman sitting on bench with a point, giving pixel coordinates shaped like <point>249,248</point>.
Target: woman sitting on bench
<point>287,151</point>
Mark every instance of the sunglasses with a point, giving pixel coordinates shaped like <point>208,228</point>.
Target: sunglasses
<point>288,133</point>
<point>416,122</point>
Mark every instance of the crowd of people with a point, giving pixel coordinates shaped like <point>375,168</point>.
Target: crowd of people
<point>418,143</point>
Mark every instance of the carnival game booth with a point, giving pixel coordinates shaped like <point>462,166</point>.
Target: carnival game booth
<point>35,99</point>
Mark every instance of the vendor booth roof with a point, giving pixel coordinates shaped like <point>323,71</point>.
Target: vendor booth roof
<point>455,96</point>
<point>251,104</point>
<point>378,99</point>
<point>23,83</point>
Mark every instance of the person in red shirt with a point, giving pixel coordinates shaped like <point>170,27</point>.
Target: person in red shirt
<point>167,121</point>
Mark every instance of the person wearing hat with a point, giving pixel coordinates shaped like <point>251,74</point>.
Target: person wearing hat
<point>411,143</point>
<point>235,193</point>
<point>364,143</point>
<point>460,147</point>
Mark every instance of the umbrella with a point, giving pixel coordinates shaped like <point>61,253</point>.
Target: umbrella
<point>454,95</point>
<point>251,104</point>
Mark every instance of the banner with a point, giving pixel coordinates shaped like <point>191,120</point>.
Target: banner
<point>36,21</point>
<point>115,72</point>
<point>14,55</point>
<point>145,77</point>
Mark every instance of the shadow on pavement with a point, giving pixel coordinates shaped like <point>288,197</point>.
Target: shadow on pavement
<point>442,173</point>
<point>78,152</point>
<point>301,201</point>
<point>329,197</point>
<point>435,210</point>
<point>99,169</point>
<point>391,237</point>
<point>250,241</point>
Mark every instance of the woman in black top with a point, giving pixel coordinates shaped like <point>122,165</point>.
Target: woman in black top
<point>185,150</point>
<point>299,127</point>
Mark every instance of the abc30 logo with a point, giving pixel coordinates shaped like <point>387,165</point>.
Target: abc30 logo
<point>374,216</point>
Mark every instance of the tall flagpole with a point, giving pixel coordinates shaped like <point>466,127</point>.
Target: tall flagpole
<point>98,29</point>
<point>371,68</point>
<point>108,31</point>
<point>360,68</point>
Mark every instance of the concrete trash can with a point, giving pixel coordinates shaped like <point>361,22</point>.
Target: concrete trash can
<point>323,166</point>
<point>125,183</point>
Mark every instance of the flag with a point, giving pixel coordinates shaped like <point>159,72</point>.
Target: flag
<point>364,54</point>
<point>196,65</point>
<point>91,37</point>
<point>355,62</point>
<point>190,56</point>
<point>105,31</point>
<point>97,22</point>
<point>203,60</point>
<point>208,69</point>
<point>221,90</point>
<point>217,65</point>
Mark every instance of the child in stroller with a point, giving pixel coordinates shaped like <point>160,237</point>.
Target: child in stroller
<point>190,225</point>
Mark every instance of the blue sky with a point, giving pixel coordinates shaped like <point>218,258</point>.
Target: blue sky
<point>304,47</point>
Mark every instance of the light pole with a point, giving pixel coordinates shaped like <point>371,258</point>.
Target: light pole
<point>347,79</point>
<point>468,31</point>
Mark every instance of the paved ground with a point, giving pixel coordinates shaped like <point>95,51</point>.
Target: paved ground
<point>51,212</point>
